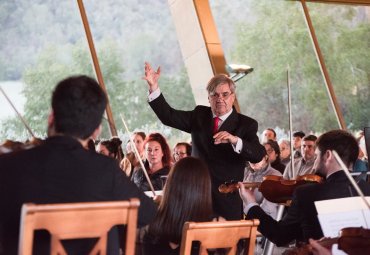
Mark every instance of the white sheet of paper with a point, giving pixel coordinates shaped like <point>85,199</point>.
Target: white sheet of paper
<point>335,214</point>
<point>150,193</point>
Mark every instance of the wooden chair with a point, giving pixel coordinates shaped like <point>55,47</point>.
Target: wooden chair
<point>78,220</point>
<point>221,234</point>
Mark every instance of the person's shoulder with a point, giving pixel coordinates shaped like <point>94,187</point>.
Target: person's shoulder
<point>308,189</point>
<point>20,156</point>
<point>246,118</point>
<point>100,163</point>
<point>273,171</point>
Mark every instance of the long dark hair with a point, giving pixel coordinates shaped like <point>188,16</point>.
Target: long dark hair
<point>186,197</point>
<point>113,145</point>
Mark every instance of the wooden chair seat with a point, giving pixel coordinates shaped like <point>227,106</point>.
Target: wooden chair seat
<point>78,220</point>
<point>221,234</point>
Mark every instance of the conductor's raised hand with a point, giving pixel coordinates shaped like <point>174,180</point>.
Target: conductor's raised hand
<point>151,77</point>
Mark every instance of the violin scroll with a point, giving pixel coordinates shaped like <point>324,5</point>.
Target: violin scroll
<point>228,187</point>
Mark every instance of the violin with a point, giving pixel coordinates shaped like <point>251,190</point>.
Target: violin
<point>10,146</point>
<point>354,241</point>
<point>274,188</point>
<point>351,240</point>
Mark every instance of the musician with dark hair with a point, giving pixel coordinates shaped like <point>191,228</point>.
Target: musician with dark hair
<point>300,221</point>
<point>186,197</point>
<point>157,164</point>
<point>61,170</point>
<point>111,148</point>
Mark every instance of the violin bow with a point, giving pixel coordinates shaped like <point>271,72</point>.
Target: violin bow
<point>95,61</point>
<point>138,155</point>
<point>349,176</point>
<point>290,120</point>
<point>18,114</point>
<point>269,246</point>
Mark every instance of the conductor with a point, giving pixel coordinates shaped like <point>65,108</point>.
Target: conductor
<point>224,139</point>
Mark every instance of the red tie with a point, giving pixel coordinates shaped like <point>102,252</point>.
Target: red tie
<point>216,120</point>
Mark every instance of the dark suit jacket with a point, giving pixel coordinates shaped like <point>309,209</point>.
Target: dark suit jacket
<point>60,171</point>
<point>301,220</point>
<point>223,162</point>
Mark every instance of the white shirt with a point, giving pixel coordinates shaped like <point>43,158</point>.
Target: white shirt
<point>239,144</point>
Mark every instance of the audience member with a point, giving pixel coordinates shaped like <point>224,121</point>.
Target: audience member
<point>255,172</point>
<point>273,152</point>
<point>303,165</point>
<point>186,197</point>
<point>284,145</point>
<point>158,162</point>
<point>301,221</point>
<point>181,150</point>
<point>361,164</point>
<point>268,134</point>
<point>297,140</point>
<point>61,170</point>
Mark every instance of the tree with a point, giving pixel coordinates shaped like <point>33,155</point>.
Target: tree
<point>126,96</point>
<point>272,41</point>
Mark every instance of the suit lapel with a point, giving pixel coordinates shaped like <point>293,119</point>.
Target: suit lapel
<point>231,123</point>
<point>209,122</point>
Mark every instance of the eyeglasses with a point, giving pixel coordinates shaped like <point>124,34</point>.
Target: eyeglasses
<point>179,154</point>
<point>223,95</point>
<point>270,151</point>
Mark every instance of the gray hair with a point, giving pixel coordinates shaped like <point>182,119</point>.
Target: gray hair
<point>220,79</point>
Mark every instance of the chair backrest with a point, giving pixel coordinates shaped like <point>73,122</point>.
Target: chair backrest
<point>220,234</point>
<point>78,220</point>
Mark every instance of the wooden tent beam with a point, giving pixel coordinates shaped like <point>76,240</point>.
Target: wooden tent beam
<point>324,71</point>
<point>97,69</point>
<point>350,2</point>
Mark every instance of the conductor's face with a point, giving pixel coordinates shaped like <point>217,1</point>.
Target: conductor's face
<point>221,100</point>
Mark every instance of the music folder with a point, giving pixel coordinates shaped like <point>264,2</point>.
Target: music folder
<point>335,214</point>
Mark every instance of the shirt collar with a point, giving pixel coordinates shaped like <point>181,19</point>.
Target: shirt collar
<point>225,116</point>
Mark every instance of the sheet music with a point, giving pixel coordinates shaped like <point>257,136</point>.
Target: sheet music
<point>150,193</point>
<point>335,214</point>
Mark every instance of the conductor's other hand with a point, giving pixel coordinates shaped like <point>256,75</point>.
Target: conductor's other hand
<point>151,77</point>
<point>246,195</point>
<point>225,137</point>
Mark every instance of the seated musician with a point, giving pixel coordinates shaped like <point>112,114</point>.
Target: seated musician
<point>110,148</point>
<point>186,197</point>
<point>300,221</point>
<point>61,170</point>
<point>130,163</point>
<point>158,162</point>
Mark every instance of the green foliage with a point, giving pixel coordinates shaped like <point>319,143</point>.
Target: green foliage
<point>128,98</point>
<point>271,36</point>
<point>279,41</point>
